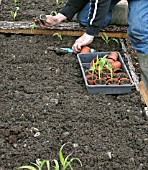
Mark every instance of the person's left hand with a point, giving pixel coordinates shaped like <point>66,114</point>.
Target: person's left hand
<point>50,20</point>
<point>85,39</point>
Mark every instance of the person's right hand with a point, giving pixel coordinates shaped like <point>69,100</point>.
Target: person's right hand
<point>50,21</point>
<point>85,39</point>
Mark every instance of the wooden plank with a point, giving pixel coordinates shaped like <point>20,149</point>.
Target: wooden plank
<point>64,25</point>
<point>143,92</point>
<point>65,28</point>
<point>62,32</point>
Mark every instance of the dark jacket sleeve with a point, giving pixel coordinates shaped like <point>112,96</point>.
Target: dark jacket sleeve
<point>97,13</point>
<point>72,7</point>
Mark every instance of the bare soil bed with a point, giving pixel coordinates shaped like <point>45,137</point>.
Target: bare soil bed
<point>44,92</point>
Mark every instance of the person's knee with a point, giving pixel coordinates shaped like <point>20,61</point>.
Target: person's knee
<point>137,30</point>
<point>138,34</point>
<point>82,19</point>
<point>138,25</point>
<point>82,16</point>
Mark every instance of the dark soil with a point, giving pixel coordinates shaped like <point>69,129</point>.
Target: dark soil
<point>28,9</point>
<point>44,92</point>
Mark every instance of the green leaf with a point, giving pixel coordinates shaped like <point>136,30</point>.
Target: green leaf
<point>114,39</point>
<point>105,37</point>
<point>33,26</point>
<point>42,163</point>
<point>36,165</point>
<point>59,35</point>
<point>110,68</point>
<point>17,8</point>
<point>56,167</point>
<point>66,161</point>
<point>53,13</point>
<point>68,165</point>
<point>48,165</point>
<point>61,154</point>
<point>27,167</point>
<point>77,159</point>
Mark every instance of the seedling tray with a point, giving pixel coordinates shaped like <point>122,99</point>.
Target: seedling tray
<point>85,60</point>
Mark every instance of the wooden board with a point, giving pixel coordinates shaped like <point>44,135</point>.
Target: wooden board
<point>67,29</point>
<point>143,92</point>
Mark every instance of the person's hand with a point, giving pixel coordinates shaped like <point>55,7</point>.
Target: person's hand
<point>85,39</point>
<point>50,20</point>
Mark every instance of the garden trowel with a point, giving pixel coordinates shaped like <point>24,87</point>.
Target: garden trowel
<point>58,50</point>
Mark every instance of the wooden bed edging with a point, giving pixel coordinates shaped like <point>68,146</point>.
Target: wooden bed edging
<point>71,29</point>
<point>143,92</point>
<point>67,29</point>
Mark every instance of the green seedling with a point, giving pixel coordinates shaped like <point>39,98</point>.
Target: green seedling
<point>53,13</point>
<point>33,26</point>
<point>93,68</point>
<point>15,1</point>
<point>107,39</point>
<point>58,35</point>
<point>58,2</point>
<point>108,65</point>
<point>63,163</point>
<point>38,164</point>
<point>103,62</point>
<point>14,13</point>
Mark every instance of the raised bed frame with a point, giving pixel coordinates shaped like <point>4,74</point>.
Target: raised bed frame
<point>74,29</point>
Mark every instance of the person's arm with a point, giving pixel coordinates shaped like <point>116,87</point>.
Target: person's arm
<point>97,14</point>
<point>72,7</point>
<point>67,12</point>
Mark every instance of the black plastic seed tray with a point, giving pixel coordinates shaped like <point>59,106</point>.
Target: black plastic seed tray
<point>85,60</point>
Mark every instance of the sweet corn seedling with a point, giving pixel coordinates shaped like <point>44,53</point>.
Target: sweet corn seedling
<point>63,164</point>
<point>103,62</point>
<point>58,2</point>
<point>53,13</point>
<point>38,164</point>
<point>33,26</point>
<point>58,35</point>
<point>14,13</point>
<point>93,68</point>
<point>106,38</point>
<point>15,1</point>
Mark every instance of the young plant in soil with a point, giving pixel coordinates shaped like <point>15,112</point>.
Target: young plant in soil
<point>91,74</point>
<point>53,13</point>
<point>64,163</point>
<point>33,26</point>
<point>93,68</point>
<point>14,13</point>
<point>59,37</point>
<point>38,164</point>
<point>58,2</point>
<point>103,63</point>
<point>106,38</point>
<point>15,1</point>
